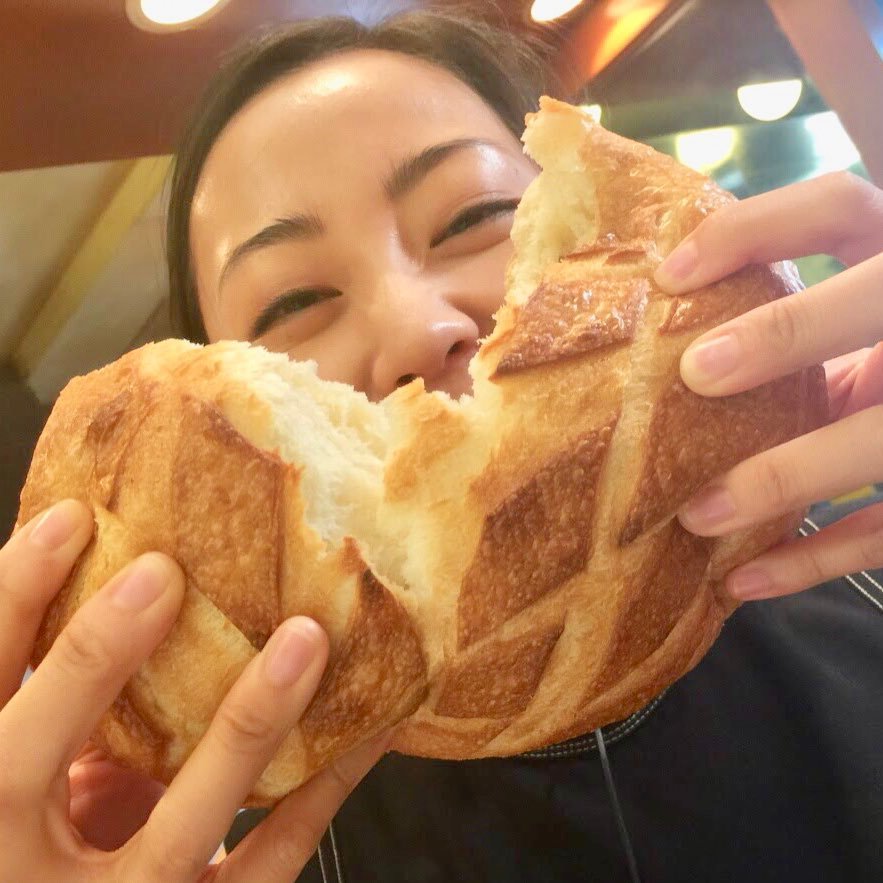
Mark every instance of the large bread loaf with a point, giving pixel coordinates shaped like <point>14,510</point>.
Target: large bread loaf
<point>496,573</point>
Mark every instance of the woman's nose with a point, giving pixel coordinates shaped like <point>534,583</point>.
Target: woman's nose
<point>421,334</point>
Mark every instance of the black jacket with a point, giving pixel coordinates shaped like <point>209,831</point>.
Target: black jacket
<point>765,763</point>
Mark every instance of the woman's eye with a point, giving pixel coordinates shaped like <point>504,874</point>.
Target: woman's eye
<point>288,303</point>
<point>475,215</point>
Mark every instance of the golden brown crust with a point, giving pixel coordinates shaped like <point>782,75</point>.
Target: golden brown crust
<point>425,736</point>
<point>235,564</point>
<point>535,540</point>
<point>649,612</point>
<point>364,690</point>
<point>163,469</point>
<point>518,665</point>
<point>678,460</point>
<point>564,319</point>
<point>535,583</point>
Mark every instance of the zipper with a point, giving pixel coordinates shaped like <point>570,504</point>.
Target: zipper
<point>329,857</point>
<point>588,743</point>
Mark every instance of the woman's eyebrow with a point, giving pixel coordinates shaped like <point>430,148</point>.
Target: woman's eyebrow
<point>299,226</point>
<point>408,174</point>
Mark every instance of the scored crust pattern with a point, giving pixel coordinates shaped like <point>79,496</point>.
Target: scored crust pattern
<point>559,591</point>
<point>572,535</point>
<point>535,541</point>
<point>563,319</point>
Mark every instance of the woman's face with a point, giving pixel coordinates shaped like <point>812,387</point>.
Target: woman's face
<point>357,213</point>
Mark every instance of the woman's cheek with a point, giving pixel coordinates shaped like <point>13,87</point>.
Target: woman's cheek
<point>482,281</point>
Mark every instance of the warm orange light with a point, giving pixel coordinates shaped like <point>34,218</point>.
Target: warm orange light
<point>549,10</point>
<point>623,30</point>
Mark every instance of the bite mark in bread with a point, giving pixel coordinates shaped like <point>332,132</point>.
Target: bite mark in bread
<point>494,573</point>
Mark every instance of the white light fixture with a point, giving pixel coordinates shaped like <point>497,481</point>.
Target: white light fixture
<point>171,15</point>
<point>707,149</point>
<point>593,110</point>
<point>549,10</point>
<point>770,101</point>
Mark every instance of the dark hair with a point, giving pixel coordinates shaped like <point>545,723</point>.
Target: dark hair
<point>508,72</point>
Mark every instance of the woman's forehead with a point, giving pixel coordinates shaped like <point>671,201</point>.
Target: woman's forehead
<point>365,105</point>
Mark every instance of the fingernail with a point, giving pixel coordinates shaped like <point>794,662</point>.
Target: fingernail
<point>680,264</point>
<point>142,583</point>
<point>57,526</point>
<point>709,508</point>
<point>748,583</point>
<point>711,359</point>
<point>290,650</point>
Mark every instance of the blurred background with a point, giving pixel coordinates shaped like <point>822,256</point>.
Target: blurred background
<point>757,93</point>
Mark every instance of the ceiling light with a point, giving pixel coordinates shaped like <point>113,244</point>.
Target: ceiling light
<point>547,10</point>
<point>770,101</point>
<point>171,15</point>
<point>832,146</point>
<point>707,149</point>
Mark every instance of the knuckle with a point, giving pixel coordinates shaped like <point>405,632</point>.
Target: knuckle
<point>724,216</point>
<point>82,649</point>
<point>20,783</point>
<point>854,204</point>
<point>242,728</point>
<point>814,568</point>
<point>777,489</point>
<point>168,851</point>
<point>20,572</point>
<point>16,791</point>
<point>19,605</point>
<point>291,845</point>
<point>870,549</point>
<point>730,231</point>
<point>10,806</point>
<point>852,192</point>
<point>720,224</point>
<point>344,778</point>
<point>165,864</point>
<point>786,327</point>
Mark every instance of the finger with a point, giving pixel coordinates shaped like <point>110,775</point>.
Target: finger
<point>267,700</point>
<point>279,848</point>
<point>867,383</point>
<point>853,544</point>
<point>838,214</point>
<point>833,460</point>
<point>53,714</point>
<point>33,567</point>
<point>837,316</point>
<point>840,374</point>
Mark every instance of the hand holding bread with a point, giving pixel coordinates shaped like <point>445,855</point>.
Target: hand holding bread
<point>493,574</point>
<point>838,322</point>
<point>71,813</point>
